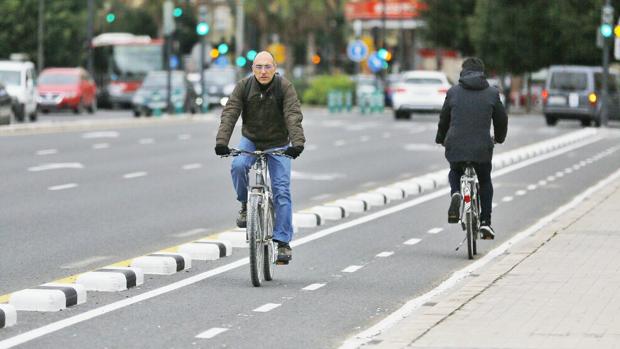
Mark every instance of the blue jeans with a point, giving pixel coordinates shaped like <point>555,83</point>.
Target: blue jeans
<point>483,171</point>
<point>280,173</point>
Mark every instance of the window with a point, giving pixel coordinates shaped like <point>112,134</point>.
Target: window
<point>569,81</point>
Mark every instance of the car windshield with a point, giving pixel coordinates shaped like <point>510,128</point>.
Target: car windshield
<point>137,59</point>
<point>160,80</point>
<point>423,81</point>
<point>220,77</point>
<point>58,79</point>
<point>570,81</point>
<point>10,78</point>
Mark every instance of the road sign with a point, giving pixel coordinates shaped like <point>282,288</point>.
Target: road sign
<point>375,63</point>
<point>357,50</point>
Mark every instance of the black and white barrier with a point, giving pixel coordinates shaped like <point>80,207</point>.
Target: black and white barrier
<point>207,250</point>
<point>351,205</point>
<point>328,212</point>
<point>372,198</point>
<point>236,237</point>
<point>111,279</point>
<point>8,315</point>
<point>162,263</point>
<point>48,297</point>
<point>306,219</point>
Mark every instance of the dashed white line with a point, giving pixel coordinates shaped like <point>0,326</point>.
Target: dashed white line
<point>97,146</point>
<point>568,170</point>
<point>520,192</point>
<point>63,186</point>
<point>352,268</point>
<point>55,166</point>
<point>134,175</point>
<point>550,178</point>
<point>313,287</point>
<point>184,137</point>
<point>100,134</point>
<point>559,174</point>
<point>412,241</point>
<point>321,197</point>
<point>364,139</point>
<point>494,205</point>
<point>146,141</point>
<point>339,143</point>
<point>47,151</point>
<point>212,332</point>
<point>532,187</point>
<point>385,254</point>
<point>191,232</point>
<point>542,182</point>
<point>507,198</point>
<point>267,307</point>
<point>435,230</point>
<point>192,166</point>
<point>576,167</point>
<point>85,262</point>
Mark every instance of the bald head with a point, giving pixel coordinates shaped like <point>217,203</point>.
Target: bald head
<point>264,67</point>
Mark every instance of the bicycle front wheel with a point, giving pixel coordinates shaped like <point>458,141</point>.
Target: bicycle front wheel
<point>269,249</point>
<point>254,230</point>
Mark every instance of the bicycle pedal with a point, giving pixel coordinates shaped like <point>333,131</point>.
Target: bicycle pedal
<point>281,262</point>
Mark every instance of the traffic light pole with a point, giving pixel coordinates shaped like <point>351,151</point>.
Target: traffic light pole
<point>607,20</point>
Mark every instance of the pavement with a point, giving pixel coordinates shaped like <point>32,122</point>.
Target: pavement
<point>558,287</point>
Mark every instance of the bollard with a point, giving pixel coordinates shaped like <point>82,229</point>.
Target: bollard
<point>348,100</point>
<point>339,101</point>
<point>330,101</point>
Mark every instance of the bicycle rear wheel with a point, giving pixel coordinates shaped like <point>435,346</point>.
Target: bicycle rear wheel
<point>257,250</point>
<point>269,253</point>
<point>471,242</point>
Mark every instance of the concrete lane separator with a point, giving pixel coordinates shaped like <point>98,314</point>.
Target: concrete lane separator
<point>373,199</point>
<point>327,212</point>
<point>163,263</point>
<point>306,219</point>
<point>49,297</point>
<point>111,279</point>
<point>8,315</point>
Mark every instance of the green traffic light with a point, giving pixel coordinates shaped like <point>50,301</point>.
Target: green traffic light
<point>251,55</point>
<point>606,30</point>
<point>223,48</point>
<point>110,17</point>
<point>382,53</point>
<point>202,28</point>
<point>178,12</point>
<point>241,61</point>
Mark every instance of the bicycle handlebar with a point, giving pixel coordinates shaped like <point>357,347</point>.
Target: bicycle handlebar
<point>256,153</point>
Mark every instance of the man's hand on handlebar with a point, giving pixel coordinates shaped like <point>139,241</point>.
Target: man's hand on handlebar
<point>222,150</point>
<point>294,151</point>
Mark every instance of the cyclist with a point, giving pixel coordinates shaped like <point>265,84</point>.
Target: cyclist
<point>464,130</point>
<point>271,119</point>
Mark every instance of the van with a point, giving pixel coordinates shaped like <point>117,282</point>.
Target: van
<point>574,92</point>
<point>19,78</point>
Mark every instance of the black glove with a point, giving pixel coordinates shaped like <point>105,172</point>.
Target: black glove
<point>294,151</point>
<point>222,149</point>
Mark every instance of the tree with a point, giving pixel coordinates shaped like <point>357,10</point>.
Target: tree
<point>446,24</point>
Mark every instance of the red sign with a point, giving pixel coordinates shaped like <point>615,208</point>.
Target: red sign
<point>373,9</point>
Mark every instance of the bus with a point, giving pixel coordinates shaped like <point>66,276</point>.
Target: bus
<point>121,61</point>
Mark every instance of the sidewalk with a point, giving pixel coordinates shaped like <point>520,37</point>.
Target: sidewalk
<point>558,288</point>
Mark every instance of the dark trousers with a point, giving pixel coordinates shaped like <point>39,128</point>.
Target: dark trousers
<point>483,170</point>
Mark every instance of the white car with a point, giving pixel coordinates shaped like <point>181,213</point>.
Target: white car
<point>419,90</point>
<point>19,79</point>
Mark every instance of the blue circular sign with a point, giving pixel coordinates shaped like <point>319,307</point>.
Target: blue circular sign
<point>375,63</point>
<point>357,50</point>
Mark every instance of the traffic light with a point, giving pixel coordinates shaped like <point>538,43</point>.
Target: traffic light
<point>617,31</point>
<point>316,59</point>
<point>606,30</point>
<point>110,17</point>
<point>241,61</point>
<point>177,12</point>
<point>214,53</point>
<point>202,28</point>
<point>251,55</point>
<point>223,48</point>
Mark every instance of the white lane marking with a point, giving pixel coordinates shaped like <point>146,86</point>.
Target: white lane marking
<point>339,143</point>
<point>316,176</point>
<point>412,241</point>
<point>568,170</point>
<point>435,230</point>
<point>532,187</point>
<point>576,167</point>
<point>494,205</point>
<point>311,147</point>
<point>85,262</point>
<point>368,184</point>
<point>212,332</point>
<point>93,313</point>
<point>364,139</point>
<point>192,166</point>
<point>184,137</point>
<point>507,198</point>
<point>47,151</point>
<point>421,147</point>
<point>550,178</point>
<point>63,186</point>
<point>100,134</point>
<point>101,146</point>
<point>313,287</point>
<point>520,192</point>
<point>352,268</point>
<point>191,232</point>
<point>267,307</point>
<point>134,175</point>
<point>559,174</point>
<point>542,183</point>
<point>146,141</point>
<point>582,163</point>
<point>321,197</point>
<point>55,166</point>
<point>366,336</point>
<point>385,254</point>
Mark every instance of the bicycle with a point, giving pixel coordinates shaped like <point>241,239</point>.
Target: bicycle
<point>470,209</point>
<point>260,218</point>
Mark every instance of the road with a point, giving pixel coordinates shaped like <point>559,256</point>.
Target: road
<point>115,194</point>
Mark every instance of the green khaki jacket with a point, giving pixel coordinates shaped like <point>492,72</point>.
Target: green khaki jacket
<point>263,121</point>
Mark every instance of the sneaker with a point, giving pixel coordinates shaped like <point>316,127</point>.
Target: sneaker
<point>454,211</point>
<point>487,232</point>
<point>242,220</point>
<point>285,253</point>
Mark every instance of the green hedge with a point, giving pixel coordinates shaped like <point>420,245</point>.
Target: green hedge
<point>316,93</point>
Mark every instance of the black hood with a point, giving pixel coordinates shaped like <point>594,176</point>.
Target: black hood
<point>473,80</point>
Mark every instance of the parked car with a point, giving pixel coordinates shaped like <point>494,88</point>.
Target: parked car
<point>6,106</point>
<point>67,88</point>
<point>574,92</point>
<point>151,96</point>
<point>219,84</point>
<point>419,90</point>
<point>19,79</point>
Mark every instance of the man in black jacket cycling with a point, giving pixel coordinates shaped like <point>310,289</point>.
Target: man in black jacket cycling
<point>464,130</point>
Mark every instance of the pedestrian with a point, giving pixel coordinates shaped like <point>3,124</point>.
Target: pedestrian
<point>271,120</point>
<point>464,130</point>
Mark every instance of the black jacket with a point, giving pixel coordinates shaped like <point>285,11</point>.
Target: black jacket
<point>465,119</point>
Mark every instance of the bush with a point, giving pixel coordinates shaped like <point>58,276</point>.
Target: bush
<point>316,93</point>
